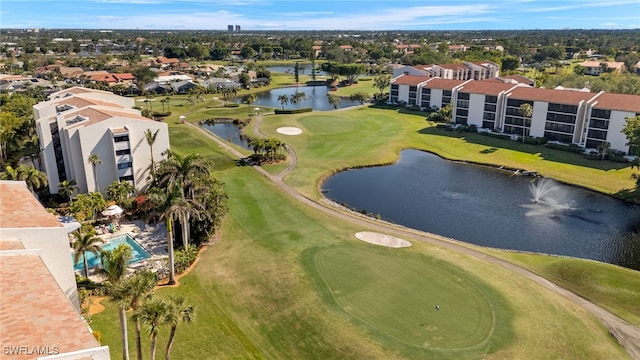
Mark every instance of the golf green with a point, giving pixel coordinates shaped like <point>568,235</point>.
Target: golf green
<point>414,299</point>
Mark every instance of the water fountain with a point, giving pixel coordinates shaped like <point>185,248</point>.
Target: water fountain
<point>540,188</point>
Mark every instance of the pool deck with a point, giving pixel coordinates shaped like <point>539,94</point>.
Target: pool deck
<point>152,238</point>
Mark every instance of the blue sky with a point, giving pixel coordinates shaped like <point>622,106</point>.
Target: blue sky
<point>321,15</point>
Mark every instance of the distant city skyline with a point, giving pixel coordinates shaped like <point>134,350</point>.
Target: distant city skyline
<point>321,15</point>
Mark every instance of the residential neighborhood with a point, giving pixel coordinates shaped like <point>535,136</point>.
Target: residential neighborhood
<point>276,189</point>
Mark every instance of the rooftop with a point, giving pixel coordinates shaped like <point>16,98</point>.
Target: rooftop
<point>623,102</point>
<point>20,209</point>
<point>486,87</point>
<point>34,311</point>
<point>551,95</point>
<point>444,84</point>
<point>409,80</point>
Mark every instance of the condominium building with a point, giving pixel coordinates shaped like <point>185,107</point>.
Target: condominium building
<point>466,70</point>
<point>564,115</point>
<point>77,123</point>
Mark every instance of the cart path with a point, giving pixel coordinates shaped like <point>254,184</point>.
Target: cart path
<point>627,334</point>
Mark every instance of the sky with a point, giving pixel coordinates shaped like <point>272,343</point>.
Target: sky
<point>321,15</point>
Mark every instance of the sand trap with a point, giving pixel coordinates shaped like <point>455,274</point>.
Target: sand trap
<point>382,239</point>
<point>287,130</point>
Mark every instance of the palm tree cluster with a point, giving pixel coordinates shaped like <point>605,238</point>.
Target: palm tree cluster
<point>267,149</point>
<point>35,179</point>
<point>184,191</point>
<point>294,100</point>
<point>229,93</point>
<point>136,293</point>
<point>86,206</point>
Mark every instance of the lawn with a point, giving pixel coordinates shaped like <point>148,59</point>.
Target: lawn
<point>366,136</point>
<point>258,295</point>
<point>288,282</point>
<point>379,288</point>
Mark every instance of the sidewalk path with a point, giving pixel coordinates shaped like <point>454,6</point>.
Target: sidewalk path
<point>627,334</point>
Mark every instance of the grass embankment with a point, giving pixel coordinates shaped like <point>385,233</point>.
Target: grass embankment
<point>267,289</point>
<point>612,287</point>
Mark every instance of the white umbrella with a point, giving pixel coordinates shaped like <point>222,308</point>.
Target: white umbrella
<point>113,210</point>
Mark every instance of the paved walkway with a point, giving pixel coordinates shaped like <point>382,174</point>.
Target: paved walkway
<point>627,334</point>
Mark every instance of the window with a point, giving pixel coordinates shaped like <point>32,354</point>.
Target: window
<point>600,124</point>
<point>599,113</point>
<point>489,107</point>
<point>561,118</point>
<point>125,165</point>
<point>463,96</point>
<point>597,134</point>
<point>121,138</point>
<point>570,109</point>
<point>126,178</point>
<point>123,152</point>
<point>490,99</point>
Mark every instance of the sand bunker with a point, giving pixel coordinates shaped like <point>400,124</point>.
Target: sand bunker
<point>382,239</point>
<point>287,130</point>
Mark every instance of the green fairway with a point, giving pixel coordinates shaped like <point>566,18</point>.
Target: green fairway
<point>286,281</point>
<point>395,293</point>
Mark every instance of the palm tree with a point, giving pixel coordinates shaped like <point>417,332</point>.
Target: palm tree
<point>67,188</point>
<point>94,160</point>
<point>33,178</point>
<point>604,148</point>
<point>250,99</point>
<point>114,263</point>
<point>177,312</point>
<point>183,173</point>
<point>151,139</point>
<point>119,191</point>
<point>283,99</point>
<point>152,313</point>
<point>84,243</point>
<point>168,203</point>
<point>526,110</point>
<point>122,297</point>
<point>168,100</point>
<point>138,287</point>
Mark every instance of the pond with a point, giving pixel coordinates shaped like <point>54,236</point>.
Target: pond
<point>305,69</point>
<point>494,208</point>
<point>228,131</point>
<point>316,98</point>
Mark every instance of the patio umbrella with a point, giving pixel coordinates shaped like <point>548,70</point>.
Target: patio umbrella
<point>113,210</point>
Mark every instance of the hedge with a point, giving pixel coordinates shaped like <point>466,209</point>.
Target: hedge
<point>566,147</point>
<point>495,135</point>
<point>293,111</point>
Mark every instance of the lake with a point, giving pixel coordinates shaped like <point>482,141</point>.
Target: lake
<point>316,98</point>
<point>228,131</point>
<point>491,207</point>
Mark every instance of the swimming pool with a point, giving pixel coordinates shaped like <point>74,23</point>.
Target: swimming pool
<point>138,253</point>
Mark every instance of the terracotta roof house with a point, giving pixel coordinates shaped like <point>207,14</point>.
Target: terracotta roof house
<point>598,67</point>
<point>39,311</point>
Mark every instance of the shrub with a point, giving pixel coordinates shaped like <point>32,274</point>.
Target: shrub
<point>231,105</point>
<point>161,114</point>
<point>565,147</point>
<point>496,135</point>
<point>617,158</point>
<point>98,336</point>
<point>293,111</point>
<point>184,258</point>
<point>532,140</point>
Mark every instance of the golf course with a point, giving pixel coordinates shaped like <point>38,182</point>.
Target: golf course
<point>286,277</point>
